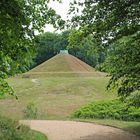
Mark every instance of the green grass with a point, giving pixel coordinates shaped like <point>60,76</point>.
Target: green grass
<point>39,136</point>
<point>11,130</point>
<point>57,98</point>
<point>55,64</point>
<point>130,126</point>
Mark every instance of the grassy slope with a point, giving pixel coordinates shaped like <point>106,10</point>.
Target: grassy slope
<point>63,65</point>
<point>55,64</point>
<point>56,98</point>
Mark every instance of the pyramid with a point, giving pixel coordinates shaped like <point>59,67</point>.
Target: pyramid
<point>63,65</point>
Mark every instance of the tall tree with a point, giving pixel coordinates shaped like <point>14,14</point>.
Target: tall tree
<point>115,24</point>
<point>19,20</point>
<point>123,62</point>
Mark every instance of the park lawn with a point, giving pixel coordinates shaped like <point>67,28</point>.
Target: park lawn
<point>39,136</point>
<point>57,98</point>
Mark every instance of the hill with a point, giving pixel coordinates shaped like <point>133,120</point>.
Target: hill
<point>63,65</point>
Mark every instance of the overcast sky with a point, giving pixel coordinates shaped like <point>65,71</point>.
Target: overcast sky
<point>61,9</point>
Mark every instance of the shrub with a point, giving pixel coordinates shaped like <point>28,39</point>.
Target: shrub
<point>11,130</point>
<point>134,99</point>
<point>114,109</point>
<point>31,111</point>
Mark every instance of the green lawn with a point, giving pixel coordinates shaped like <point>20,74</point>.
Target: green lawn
<point>39,136</point>
<point>57,98</point>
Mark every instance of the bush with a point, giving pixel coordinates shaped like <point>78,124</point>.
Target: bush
<point>11,130</point>
<point>114,109</point>
<point>31,111</point>
<point>134,99</point>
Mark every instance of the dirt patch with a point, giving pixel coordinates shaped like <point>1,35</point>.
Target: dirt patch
<point>70,130</point>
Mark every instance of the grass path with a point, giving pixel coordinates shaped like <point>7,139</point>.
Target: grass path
<point>71,130</point>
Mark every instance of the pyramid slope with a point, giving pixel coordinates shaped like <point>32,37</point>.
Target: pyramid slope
<point>63,65</point>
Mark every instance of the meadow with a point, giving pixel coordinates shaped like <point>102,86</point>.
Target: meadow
<point>56,98</point>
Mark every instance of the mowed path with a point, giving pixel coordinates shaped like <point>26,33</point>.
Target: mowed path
<point>70,130</point>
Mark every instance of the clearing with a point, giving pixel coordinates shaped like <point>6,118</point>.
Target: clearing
<point>70,130</point>
<point>58,87</point>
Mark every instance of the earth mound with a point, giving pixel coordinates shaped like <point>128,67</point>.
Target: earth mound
<point>63,65</point>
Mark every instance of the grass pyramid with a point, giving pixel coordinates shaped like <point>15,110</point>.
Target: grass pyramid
<point>63,65</point>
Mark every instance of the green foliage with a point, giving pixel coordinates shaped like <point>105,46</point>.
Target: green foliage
<point>123,63</point>
<point>49,44</point>
<point>11,130</point>
<point>134,99</point>
<point>75,38</point>
<point>31,111</point>
<point>86,48</point>
<point>4,88</point>
<point>19,20</point>
<point>114,25</point>
<point>39,136</point>
<point>107,20</point>
<point>114,109</point>
<point>45,44</point>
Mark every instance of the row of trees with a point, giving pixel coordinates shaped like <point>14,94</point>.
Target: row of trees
<point>49,44</point>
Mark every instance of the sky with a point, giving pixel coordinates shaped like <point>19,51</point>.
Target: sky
<point>61,9</point>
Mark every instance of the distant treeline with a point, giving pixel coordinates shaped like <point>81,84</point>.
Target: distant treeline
<point>49,44</point>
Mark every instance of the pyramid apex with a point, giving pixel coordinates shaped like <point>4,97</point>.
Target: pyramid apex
<point>64,52</point>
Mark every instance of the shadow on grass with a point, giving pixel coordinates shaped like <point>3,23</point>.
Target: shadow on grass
<point>111,136</point>
<point>134,134</point>
<point>134,128</point>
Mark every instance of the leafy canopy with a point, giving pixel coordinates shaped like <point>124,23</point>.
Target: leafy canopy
<point>20,19</point>
<point>123,62</point>
<point>115,25</point>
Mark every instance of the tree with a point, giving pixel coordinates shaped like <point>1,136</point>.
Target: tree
<point>20,19</point>
<point>45,47</point>
<point>115,25</point>
<point>49,44</point>
<point>86,48</point>
<point>107,20</point>
<point>123,62</point>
